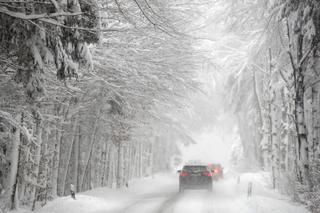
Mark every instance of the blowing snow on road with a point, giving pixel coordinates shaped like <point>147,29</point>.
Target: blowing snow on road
<point>159,194</point>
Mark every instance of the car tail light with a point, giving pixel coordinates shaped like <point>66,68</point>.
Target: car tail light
<point>207,174</point>
<point>184,174</point>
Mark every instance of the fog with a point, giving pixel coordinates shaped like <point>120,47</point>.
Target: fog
<point>212,122</point>
<point>213,146</point>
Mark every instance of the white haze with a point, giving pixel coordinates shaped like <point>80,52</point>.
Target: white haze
<point>213,146</point>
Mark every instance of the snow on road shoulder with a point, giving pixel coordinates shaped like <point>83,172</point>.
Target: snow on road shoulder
<point>84,203</point>
<point>264,199</point>
<point>111,200</point>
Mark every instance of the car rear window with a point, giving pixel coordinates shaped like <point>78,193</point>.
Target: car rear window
<point>195,168</point>
<point>214,165</point>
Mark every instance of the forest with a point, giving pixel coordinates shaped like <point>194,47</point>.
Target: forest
<point>96,93</point>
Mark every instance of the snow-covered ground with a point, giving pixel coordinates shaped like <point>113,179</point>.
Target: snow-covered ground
<point>160,195</point>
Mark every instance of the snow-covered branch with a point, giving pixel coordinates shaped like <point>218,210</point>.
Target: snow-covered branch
<point>24,16</point>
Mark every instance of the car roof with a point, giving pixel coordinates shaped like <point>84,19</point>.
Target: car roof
<point>190,166</point>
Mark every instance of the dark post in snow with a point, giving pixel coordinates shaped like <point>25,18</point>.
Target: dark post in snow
<point>249,189</point>
<point>72,191</point>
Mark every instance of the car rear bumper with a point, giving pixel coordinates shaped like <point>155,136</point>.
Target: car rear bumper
<point>195,183</point>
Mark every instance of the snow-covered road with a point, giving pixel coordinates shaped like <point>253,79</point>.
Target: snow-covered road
<point>160,195</point>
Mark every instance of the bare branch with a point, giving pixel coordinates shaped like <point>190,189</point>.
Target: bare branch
<point>93,30</point>
<point>294,67</point>
<point>36,16</point>
<point>305,56</point>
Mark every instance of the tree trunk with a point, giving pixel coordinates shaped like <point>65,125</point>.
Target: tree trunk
<point>57,153</point>
<point>37,161</point>
<point>133,160</point>
<point>140,163</point>
<point>302,136</point>
<point>46,169</point>
<point>119,165</point>
<point>104,166</point>
<point>303,157</point>
<point>69,155</point>
<point>109,166</point>
<point>13,171</point>
<point>55,160</point>
<point>86,165</point>
<point>75,175</point>
<point>258,136</point>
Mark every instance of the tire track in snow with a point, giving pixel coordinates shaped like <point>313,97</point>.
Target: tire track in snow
<point>167,206</point>
<point>144,203</point>
<point>188,202</point>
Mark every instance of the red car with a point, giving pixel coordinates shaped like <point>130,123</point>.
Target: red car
<point>216,170</point>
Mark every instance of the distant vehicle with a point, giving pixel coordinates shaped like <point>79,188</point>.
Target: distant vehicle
<point>216,170</point>
<point>195,177</point>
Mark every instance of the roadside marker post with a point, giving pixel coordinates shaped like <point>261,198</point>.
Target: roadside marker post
<point>250,189</point>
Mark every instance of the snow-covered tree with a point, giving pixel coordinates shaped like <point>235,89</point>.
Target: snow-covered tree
<point>89,115</point>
